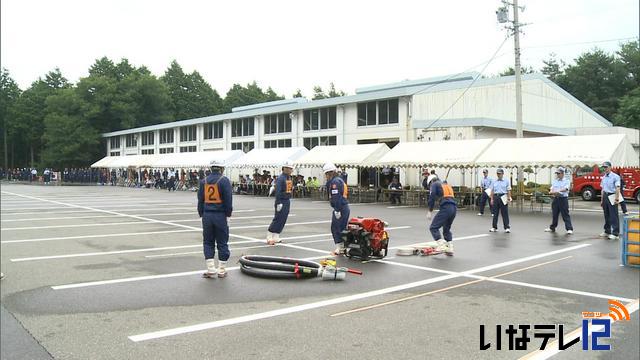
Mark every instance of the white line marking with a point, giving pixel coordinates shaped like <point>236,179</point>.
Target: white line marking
<point>120,252</point>
<point>233,218</point>
<point>75,225</point>
<point>334,301</point>
<point>135,210</point>
<point>235,249</point>
<point>151,277</point>
<point>63,218</point>
<point>97,236</point>
<point>402,206</point>
<point>329,234</point>
<point>505,281</point>
<point>288,224</point>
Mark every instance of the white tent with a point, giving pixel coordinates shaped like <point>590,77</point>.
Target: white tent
<point>559,151</point>
<point>441,154</point>
<point>345,156</point>
<point>195,159</point>
<point>136,161</point>
<point>105,162</point>
<point>268,158</point>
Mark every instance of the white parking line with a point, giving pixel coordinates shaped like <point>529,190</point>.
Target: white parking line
<point>510,282</point>
<point>151,277</point>
<point>329,234</point>
<point>120,252</point>
<point>97,236</point>
<point>334,301</point>
<point>240,248</point>
<point>75,225</point>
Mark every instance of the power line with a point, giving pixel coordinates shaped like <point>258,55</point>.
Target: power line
<point>470,84</point>
<point>581,43</point>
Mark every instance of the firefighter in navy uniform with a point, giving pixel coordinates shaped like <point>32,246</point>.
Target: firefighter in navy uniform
<point>283,191</point>
<point>214,207</point>
<point>442,192</point>
<point>338,193</point>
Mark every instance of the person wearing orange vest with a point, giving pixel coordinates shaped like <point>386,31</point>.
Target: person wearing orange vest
<point>214,207</point>
<point>442,192</point>
<point>338,193</point>
<point>283,190</point>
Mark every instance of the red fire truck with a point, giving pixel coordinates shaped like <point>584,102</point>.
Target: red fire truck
<point>586,182</point>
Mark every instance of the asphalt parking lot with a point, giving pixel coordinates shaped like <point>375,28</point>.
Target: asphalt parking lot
<point>114,273</point>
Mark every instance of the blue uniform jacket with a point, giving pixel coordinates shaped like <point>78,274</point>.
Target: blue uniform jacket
<point>338,193</point>
<point>284,187</point>
<point>214,194</point>
<point>436,193</point>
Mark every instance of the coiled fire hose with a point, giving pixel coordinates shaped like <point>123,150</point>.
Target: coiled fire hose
<point>275,267</point>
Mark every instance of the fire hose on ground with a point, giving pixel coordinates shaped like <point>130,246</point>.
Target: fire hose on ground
<point>275,267</point>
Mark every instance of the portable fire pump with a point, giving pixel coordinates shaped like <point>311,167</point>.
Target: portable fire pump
<point>365,238</point>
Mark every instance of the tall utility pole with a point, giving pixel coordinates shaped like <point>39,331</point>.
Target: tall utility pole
<point>503,17</point>
<point>516,41</point>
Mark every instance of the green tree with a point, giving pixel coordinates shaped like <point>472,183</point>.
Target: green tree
<point>629,54</point>
<point>122,96</point>
<point>297,94</point>
<point>553,68</point>
<point>251,94</point>
<point>598,79</point>
<point>70,141</point>
<point>191,96</point>
<point>31,110</point>
<point>511,71</point>
<point>318,93</point>
<point>9,94</point>
<point>628,114</point>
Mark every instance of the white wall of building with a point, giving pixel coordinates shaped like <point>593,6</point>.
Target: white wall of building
<point>542,105</point>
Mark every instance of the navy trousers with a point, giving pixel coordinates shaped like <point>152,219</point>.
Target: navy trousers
<point>337,225</point>
<point>443,219</point>
<point>215,233</point>
<point>611,220</point>
<point>280,218</point>
<point>500,209</point>
<point>560,205</point>
<point>484,198</point>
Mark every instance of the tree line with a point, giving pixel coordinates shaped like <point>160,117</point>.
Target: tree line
<point>56,123</point>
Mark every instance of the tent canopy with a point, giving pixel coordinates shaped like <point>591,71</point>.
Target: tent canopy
<point>559,151</point>
<point>268,158</point>
<point>173,160</point>
<point>346,156</point>
<point>200,159</point>
<point>443,154</point>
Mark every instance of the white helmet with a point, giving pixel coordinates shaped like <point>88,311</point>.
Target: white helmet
<point>287,164</point>
<point>329,167</point>
<point>216,163</point>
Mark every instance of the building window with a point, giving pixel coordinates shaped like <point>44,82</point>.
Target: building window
<point>244,146</point>
<point>312,142</point>
<point>114,142</point>
<point>131,140</point>
<point>187,149</point>
<point>378,112</point>
<point>282,143</point>
<point>166,150</point>
<point>147,151</point>
<point>114,153</point>
<point>242,127</point>
<point>147,138</point>
<point>277,123</point>
<point>188,133</point>
<point>166,136</point>
<point>320,119</point>
<point>213,130</point>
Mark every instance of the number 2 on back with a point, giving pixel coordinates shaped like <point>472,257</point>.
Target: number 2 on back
<point>212,194</point>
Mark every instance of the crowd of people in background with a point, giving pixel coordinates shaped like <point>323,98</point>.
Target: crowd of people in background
<point>261,184</point>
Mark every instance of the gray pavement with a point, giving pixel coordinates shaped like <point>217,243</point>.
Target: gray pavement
<point>90,267</point>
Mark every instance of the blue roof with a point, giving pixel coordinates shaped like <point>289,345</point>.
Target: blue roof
<point>378,92</point>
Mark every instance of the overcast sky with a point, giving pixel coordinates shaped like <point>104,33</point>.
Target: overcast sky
<point>299,44</point>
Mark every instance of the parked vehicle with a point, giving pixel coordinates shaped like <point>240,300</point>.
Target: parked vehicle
<point>586,182</point>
